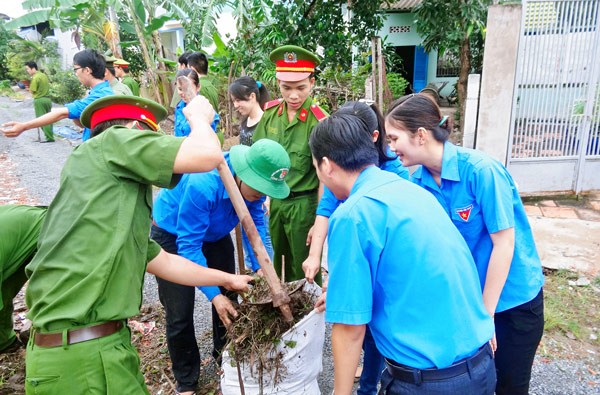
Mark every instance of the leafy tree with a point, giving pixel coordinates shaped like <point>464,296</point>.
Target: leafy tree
<point>454,25</point>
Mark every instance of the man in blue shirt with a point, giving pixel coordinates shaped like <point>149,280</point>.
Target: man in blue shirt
<point>194,220</point>
<point>397,263</point>
<point>89,67</point>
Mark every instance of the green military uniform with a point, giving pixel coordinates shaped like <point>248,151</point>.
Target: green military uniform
<point>18,241</point>
<point>91,260</point>
<point>40,88</point>
<point>292,218</point>
<point>208,90</point>
<point>119,88</point>
<point>132,84</point>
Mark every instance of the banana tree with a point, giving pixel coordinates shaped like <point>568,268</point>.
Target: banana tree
<point>89,16</point>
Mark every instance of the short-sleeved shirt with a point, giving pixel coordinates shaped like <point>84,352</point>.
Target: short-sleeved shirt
<point>120,88</point>
<point>40,85</point>
<point>293,136</point>
<point>481,198</point>
<point>246,132</point>
<point>19,233</point>
<point>329,202</point>
<point>199,209</point>
<point>132,84</point>
<point>76,108</point>
<point>397,263</point>
<point>94,244</point>
<point>182,126</point>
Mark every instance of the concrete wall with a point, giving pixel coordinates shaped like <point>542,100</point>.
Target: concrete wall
<point>498,79</point>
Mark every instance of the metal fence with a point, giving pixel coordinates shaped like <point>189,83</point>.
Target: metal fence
<point>556,108</point>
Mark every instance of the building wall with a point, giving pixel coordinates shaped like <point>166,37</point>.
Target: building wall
<point>408,36</point>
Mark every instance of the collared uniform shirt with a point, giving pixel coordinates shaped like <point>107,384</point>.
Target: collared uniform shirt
<point>40,85</point>
<point>132,84</point>
<point>19,233</point>
<point>120,88</point>
<point>94,244</point>
<point>198,210</point>
<point>76,108</point>
<point>208,90</point>
<point>293,136</point>
<point>397,263</point>
<point>329,202</point>
<point>481,198</point>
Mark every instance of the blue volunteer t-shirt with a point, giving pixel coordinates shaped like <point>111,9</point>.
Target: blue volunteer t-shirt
<point>76,108</point>
<point>329,202</point>
<point>397,263</point>
<point>481,198</point>
<point>199,209</point>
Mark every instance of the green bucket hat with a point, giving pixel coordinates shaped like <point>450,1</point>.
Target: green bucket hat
<point>262,167</point>
<point>123,107</point>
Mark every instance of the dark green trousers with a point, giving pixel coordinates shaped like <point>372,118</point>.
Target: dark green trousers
<point>42,106</point>
<point>290,221</point>
<point>10,288</point>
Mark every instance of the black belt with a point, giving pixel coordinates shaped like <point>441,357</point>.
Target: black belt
<point>417,376</point>
<point>301,193</point>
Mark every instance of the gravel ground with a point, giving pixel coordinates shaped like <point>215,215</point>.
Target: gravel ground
<point>38,168</point>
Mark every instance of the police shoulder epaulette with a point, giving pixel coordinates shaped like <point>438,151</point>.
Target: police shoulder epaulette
<point>318,112</point>
<point>272,103</point>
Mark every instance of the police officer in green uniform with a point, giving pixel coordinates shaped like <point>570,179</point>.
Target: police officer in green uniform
<point>40,88</point>
<point>290,121</point>
<point>86,279</point>
<point>122,72</point>
<point>18,241</point>
<point>110,75</point>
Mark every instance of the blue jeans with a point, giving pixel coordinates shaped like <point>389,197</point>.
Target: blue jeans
<point>480,379</point>
<point>373,365</point>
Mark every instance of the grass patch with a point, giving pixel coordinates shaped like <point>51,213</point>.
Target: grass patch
<point>571,310</point>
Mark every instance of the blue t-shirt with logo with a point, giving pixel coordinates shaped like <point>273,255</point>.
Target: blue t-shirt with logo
<point>481,198</point>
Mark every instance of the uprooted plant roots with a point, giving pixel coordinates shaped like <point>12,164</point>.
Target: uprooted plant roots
<point>257,330</point>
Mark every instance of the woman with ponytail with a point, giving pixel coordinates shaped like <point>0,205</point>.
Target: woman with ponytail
<point>482,200</point>
<point>249,98</point>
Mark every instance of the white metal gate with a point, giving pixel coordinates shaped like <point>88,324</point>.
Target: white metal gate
<point>554,142</point>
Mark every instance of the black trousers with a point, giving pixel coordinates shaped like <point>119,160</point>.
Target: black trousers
<point>178,301</point>
<point>518,334</point>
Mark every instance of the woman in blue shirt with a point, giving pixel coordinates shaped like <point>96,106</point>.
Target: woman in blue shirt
<point>182,127</point>
<point>373,361</point>
<point>482,200</point>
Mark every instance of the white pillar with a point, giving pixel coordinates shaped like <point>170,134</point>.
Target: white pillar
<point>471,108</point>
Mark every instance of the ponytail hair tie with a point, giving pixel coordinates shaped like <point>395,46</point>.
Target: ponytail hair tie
<point>443,121</point>
<point>259,84</point>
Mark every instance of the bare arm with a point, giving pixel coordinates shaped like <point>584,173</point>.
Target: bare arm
<point>346,343</point>
<point>201,150</point>
<point>316,239</point>
<point>16,128</point>
<point>185,272</point>
<point>498,267</point>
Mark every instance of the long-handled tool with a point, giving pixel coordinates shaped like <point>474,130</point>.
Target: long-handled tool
<point>280,297</point>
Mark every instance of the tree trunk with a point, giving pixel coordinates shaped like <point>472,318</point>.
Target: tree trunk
<point>465,68</point>
<point>162,73</point>
<point>115,44</point>
<point>145,53</point>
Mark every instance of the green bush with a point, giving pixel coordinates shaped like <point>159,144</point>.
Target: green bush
<point>397,84</point>
<point>65,87</point>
